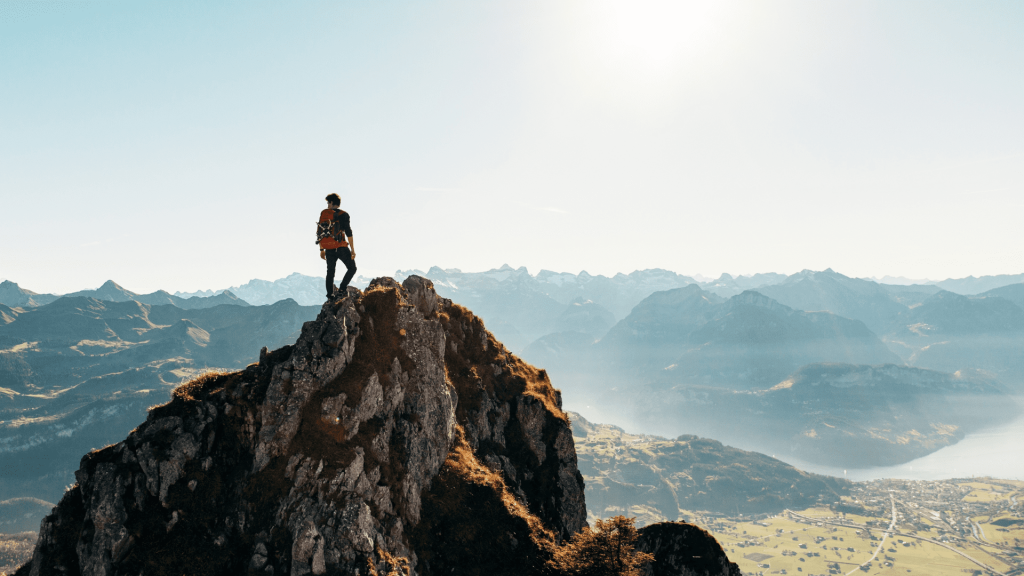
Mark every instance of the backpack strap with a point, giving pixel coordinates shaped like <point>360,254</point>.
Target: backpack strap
<point>336,230</point>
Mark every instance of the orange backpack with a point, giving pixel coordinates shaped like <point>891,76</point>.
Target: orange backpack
<point>330,228</point>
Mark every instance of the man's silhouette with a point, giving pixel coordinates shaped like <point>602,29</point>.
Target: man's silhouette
<point>334,235</point>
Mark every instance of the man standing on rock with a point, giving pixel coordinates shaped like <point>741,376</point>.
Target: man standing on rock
<point>334,235</point>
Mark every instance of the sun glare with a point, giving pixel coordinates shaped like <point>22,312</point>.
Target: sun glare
<point>659,34</point>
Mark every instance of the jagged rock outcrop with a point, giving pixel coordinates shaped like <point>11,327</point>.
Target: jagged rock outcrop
<point>682,549</point>
<point>395,427</point>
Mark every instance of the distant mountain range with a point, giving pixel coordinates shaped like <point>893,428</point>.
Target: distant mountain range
<point>306,290</point>
<point>651,342</point>
<point>12,295</point>
<point>618,294</point>
<point>970,286</point>
<point>927,326</point>
<point>692,337</point>
<point>747,341</point>
<point>687,360</point>
<point>864,300</point>
<point>519,307</point>
<point>80,372</point>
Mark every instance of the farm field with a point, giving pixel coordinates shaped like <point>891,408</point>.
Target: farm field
<point>936,526</point>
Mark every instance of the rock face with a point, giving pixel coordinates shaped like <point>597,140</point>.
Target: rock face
<point>395,428</point>
<point>683,550</point>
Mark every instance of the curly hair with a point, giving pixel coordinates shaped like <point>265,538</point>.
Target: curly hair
<point>334,199</point>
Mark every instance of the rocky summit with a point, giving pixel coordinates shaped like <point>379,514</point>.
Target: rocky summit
<point>396,434</point>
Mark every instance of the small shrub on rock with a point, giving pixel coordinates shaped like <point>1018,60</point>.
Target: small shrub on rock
<point>609,549</point>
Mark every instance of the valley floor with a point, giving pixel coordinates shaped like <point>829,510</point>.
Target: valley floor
<point>943,528</point>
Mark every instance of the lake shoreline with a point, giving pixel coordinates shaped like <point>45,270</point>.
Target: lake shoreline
<point>996,452</point>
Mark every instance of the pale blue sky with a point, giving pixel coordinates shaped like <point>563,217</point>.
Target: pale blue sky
<point>189,145</point>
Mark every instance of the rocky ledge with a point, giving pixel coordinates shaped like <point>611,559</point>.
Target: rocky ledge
<point>396,434</point>
<point>682,549</point>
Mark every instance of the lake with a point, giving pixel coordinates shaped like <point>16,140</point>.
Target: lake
<point>997,452</point>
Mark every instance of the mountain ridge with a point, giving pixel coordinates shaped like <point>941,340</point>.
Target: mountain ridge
<point>78,373</point>
<point>660,477</point>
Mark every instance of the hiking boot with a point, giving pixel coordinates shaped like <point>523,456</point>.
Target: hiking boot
<point>339,294</point>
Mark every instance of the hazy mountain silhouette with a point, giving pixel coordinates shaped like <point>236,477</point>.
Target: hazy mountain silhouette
<point>1014,293</point>
<point>877,305</point>
<point>618,294</point>
<point>659,327</point>
<point>489,291</point>
<point>951,332</point>
<point>863,300</point>
<point>111,291</point>
<point>520,308</point>
<point>565,352</point>
<point>78,373</point>
<point>754,341</point>
<point>585,316</point>
<point>685,360</point>
<point>950,314</point>
<point>970,285</point>
<point>912,294</point>
<point>15,296</point>
<point>689,336</point>
<point>728,285</point>
<point>304,289</point>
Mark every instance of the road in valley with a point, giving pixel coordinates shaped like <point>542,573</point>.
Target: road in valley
<point>979,532</point>
<point>889,532</point>
<point>881,544</point>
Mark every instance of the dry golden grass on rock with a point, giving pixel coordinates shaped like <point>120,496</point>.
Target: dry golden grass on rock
<point>387,565</point>
<point>467,361</point>
<point>15,550</point>
<point>191,391</point>
<point>607,549</point>
<point>468,504</point>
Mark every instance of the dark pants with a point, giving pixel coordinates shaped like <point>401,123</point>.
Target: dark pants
<point>345,255</point>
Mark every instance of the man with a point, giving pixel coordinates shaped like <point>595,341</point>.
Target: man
<point>334,235</point>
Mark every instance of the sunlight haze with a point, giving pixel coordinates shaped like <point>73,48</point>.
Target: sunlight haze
<point>187,146</point>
